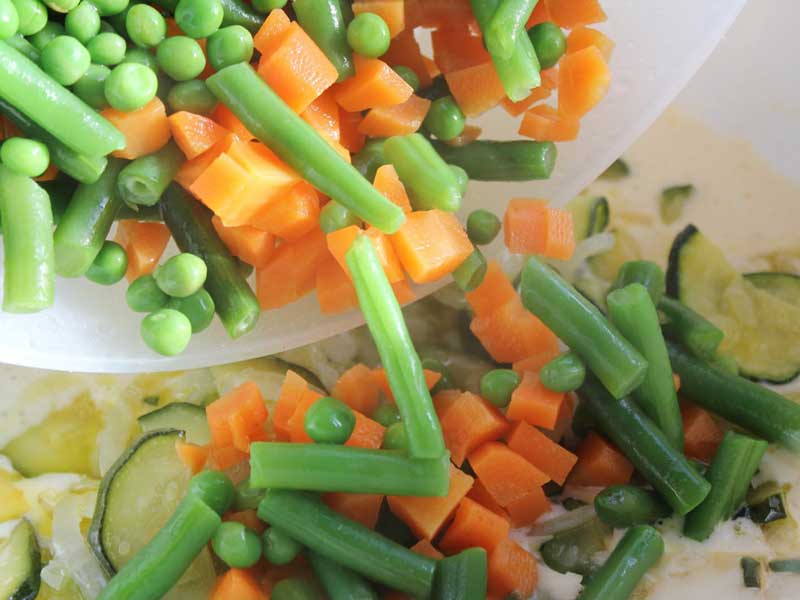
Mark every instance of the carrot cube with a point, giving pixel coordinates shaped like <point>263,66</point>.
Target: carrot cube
<point>526,510</point>
<point>542,452</point>
<point>545,124</point>
<point>511,570</point>
<point>425,548</point>
<point>399,119</point>
<point>582,37</point>
<point>456,49</point>
<point>506,475</point>
<point>535,404</point>
<point>494,291</point>
<point>583,80</point>
<point>146,130</point>
<point>571,13</point>
<point>362,508</point>
<point>291,215</point>
<point>470,422</point>
<point>194,134</point>
<point>374,84</point>
<point>600,463</point>
<point>474,525</point>
<point>144,244</point>
<point>335,291</point>
<point>701,432</point>
<point>476,89</point>
<point>253,246</point>
<point>239,584</point>
<point>271,30</point>
<point>358,389</point>
<point>391,11</point>
<point>388,183</point>
<point>289,397</point>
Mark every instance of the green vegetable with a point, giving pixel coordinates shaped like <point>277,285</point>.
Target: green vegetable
<point>9,19</point>
<point>109,265</point>
<point>564,373</point>
<point>145,26</point>
<point>368,35</point>
<point>265,6</point>
<point>788,565</point>
<point>279,548</point>
<point>691,329</point>
<point>395,437</point>
<point>506,25</point>
<point>91,87</point>
<point>192,96</point>
<point>498,385</point>
<point>627,505</point>
<point>130,86</point>
<point>645,272</point>
<point>144,295</point>
<point>482,227</point>
<point>294,588</point>
<point>339,582</point>
<point>198,308</point>
<point>767,503</point>
<point>142,57</point>
<point>236,545</point>
<point>334,216</point>
<point>386,415</point>
<point>462,576</point>
<point>166,331</point>
<point>83,22</point>
<point>437,89</point>
<point>31,16</point>
<point>61,6</point>
<point>228,46</point>
<point>144,180</point>
<point>619,169</point>
<point>324,22</point>
<point>751,572</point>
<point>214,488</point>
<point>22,563</point>
<point>370,158</point>
<point>109,8</point>
<point>673,199</point>
<point>107,49</point>
<point>573,550</point>
<point>329,421</point>
<point>182,275</point>
<point>246,497</point>
<point>486,160</point>
<point>199,18</point>
<point>52,30</point>
<point>470,273</point>
<point>181,57</point>
<point>409,76</point>
<point>65,59</point>
<point>549,43</point>
<point>445,119</point>
<point>24,156</point>
<point>189,418</point>
<point>445,381</point>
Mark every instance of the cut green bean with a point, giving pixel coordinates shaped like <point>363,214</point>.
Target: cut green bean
<point>144,180</point>
<point>340,583</point>
<point>690,328</point>
<point>564,373</point>
<point>324,22</point>
<point>627,505</point>
<point>335,468</point>
<point>582,327</point>
<point>462,576</point>
<point>487,160</point>
<point>470,273</point>
<point>507,23</point>
<point>398,356</point>
<point>645,272</point>
<point>306,519</point>
<point>751,572</point>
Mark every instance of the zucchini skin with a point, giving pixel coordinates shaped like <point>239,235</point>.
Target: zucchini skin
<point>28,587</point>
<point>673,262</point>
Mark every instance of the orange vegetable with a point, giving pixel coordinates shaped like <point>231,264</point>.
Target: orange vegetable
<point>468,423</point>
<point>511,570</point>
<point>253,246</point>
<point>444,400</point>
<point>404,50</point>
<point>676,379</point>
<point>526,510</point>
<point>388,183</point>
<point>289,397</point>
<point>192,169</point>
<point>335,291</point>
<point>571,13</point>
<point>560,242</point>
<point>248,518</point>
<point>363,508</point>
<point>339,243</point>
<point>50,173</point>
<point>223,115</point>
<point>358,389</point>
<point>535,404</point>
<point>474,525</point>
<point>382,381</point>
<point>506,475</point>
<point>366,433</point>
<point>400,119</point>
<point>455,49</point>
<point>494,291</point>
<point>323,115</point>
<point>600,463</point>
<point>403,292</point>
<point>292,214</point>
<point>144,244</point>
<point>536,361</point>
<point>531,227</point>
<point>476,89</point>
<point>425,548</point>
<point>701,433</point>
<point>583,80</point>
<point>297,428</point>
<point>374,84</point>
<point>540,14</point>
<point>349,135</point>
<point>549,83</point>
<point>391,11</point>
<point>238,418</point>
<point>192,455</point>
<point>481,495</point>
<point>440,14</point>
<point>469,134</point>
<point>582,37</point>
<point>271,29</point>
<point>194,134</point>
<point>225,457</point>
<point>146,130</point>
<point>238,584</point>
<point>543,453</point>
<point>545,124</point>
<point>431,244</point>
<point>426,516</point>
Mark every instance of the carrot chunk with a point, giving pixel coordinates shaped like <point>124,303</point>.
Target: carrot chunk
<point>476,89</point>
<point>238,584</point>
<point>701,434</point>
<point>456,49</point>
<point>582,37</point>
<point>400,119</point>
<point>362,508</point>
<point>358,389</point>
<point>323,115</point>
<point>506,475</point>
<point>571,13</point>
<point>291,215</point>
<point>470,422</point>
<point>349,135</point>
<point>600,463</point>
<point>238,417</point>
<point>192,455</point>
<point>391,11</point>
<point>545,124</point>
<point>374,84</point>
<point>425,548</point>
<point>194,134</point>
<point>366,433</point>
<point>542,452</point>
<point>531,227</point>
<point>540,14</point>
<point>535,404</point>
<point>288,399</point>
<point>494,291</point>
<point>382,381</point>
<point>253,246</point>
<point>146,130</point>
<point>474,525</point>
<point>271,29</point>
<point>223,115</point>
<point>404,50</point>
<point>388,183</point>
<point>248,518</point>
<point>481,495</point>
<point>511,570</point>
<point>335,291</point>
<point>583,80</point>
<point>526,510</point>
<point>144,244</point>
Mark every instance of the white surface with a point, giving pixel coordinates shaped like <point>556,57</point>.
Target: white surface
<point>660,45</point>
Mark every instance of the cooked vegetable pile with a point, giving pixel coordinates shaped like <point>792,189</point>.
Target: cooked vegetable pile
<point>265,136</point>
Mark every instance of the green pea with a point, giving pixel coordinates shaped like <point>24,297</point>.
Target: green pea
<point>368,35</point>
<point>130,86</point>
<point>53,29</point>
<point>199,18</point>
<point>83,22</point>
<point>237,546</point>
<point>9,19</point>
<point>141,56</point>
<point>198,308</point>
<point>246,497</point>
<point>334,216</point>
<point>65,59</point>
<point>549,42</point>
<point>470,273</point>
<point>264,6</point>
<point>91,87</point>
<point>445,119</point>
<point>107,49</point>
<point>498,385</point>
<point>110,8</point>
<point>193,96</point>
<point>564,373</point>
<point>228,46</point>
<point>329,421</point>
<point>145,26</point>
<point>61,6</point>
<point>144,295</point>
<point>166,331</point>
<point>409,76</point>
<point>31,16</point>
<point>182,275</point>
<point>109,265</point>
<point>279,548</point>
<point>26,157</point>
<point>395,437</point>
<point>214,488</point>
<point>294,588</point>
<point>386,415</point>
<point>482,227</point>
<point>181,57</point>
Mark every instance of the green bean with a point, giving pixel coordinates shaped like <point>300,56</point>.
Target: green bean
<point>246,497</point>
<point>574,548</point>
<point>306,519</point>
<point>487,160</point>
<point>640,548</point>
<point>646,447</point>
<point>462,577</point>
<point>58,111</point>
<point>564,373</point>
<point>742,402</point>
<point>340,583</point>
<point>279,548</point>
<point>336,468</point>
<point>60,192</point>
<point>751,572</point>
<point>646,272</point>
<point>86,222</point>
<point>470,273</point>
<point>263,113</point>
<point>507,23</point>
<point>190,224</point>
<point>235,12</point>
<point>144,180</point>
<point>325,24</point>
<point>633,312</point>
<point>370,158</point>
<point>582,327</point>
<point>140,213</point>
<point>28,284</point>
<point>627,505</point>
<point>398,356</point>
<point>690,328</point>
<point>735,462</point>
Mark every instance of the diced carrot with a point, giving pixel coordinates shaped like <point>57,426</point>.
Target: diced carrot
<point>146,130</point>
<point>363,508</point>
<point>248,518</point>
<point>238,417</point>
<point>540,14</point>
<point>366,433</point>
<point>403,292</point>
<point>382,381</point>
<point>564,420</point>
<point>391,11</point>
<point>426,516</point>
<point>494,291</point>
<point>291,391</point>
<point>223,115</point>
<point>50,173</point>
<point>339,243</point>
<point>335,291</point>
<point>350,137</point>
<point>456,49</point>
<point>386,254</point>
<point>440,14</point>
<point>481,495</point>
<point>527,510</point>
<point>291,215</point>
<point>545,124</point>
<point>374,84</point>
<point>400,119</point>
<point>219,187</point>
<point>388,183</point>
<point>535,404</point>
<point>531,227</point>
<point>571,13</point>
<point>474,525</point>
<point>600,463</point>
<point>536,361</point>
<point>297,429</point>
<point>192,169</point>
<point>560,242</point>
<point>583,80</point>
<point>144,244</point>
<point>470,422</point>
<point>323,115</point>
<point>582,37</point>
<point>292,271</point>
<point>701,433</point>
<point>676,379</point>
<point>469,134</point>
<point>542,452</point>
<point>404,50</point>
<point>476,89</point>
<point>271,29</point>
<point>192,455</point>
<point>253,246</point>
<point>506,475</point>
<point>425,548</point>
<point>444,400</point>
<point>358,389</point>
<point>237,584</point>
<point>431,244</point>
<point>549,83</point>
<point>194,134</point>
<point>430,66</point>
<point>511,570</point>
<point>225,457</point>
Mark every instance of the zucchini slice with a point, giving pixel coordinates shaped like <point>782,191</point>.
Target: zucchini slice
<point>189,418</point>
<point>761,325</point>
<point>589,215</point>
<point>20,564</point>
<point>606,265</point>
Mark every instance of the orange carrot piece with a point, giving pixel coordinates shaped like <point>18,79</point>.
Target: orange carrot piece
<point>540,14</point>
<point>560,243</point>
<point>701,433</point>
<point>297,429</point>
<point>494,291</point>
<point>238,584</point>
<point>545,124</point>
<point>582,37</point>
<point>291,215</point>
<point>298,568</point>
<point>146,130</point>
<point>571,13</point>
<point>403,292</point>
<point>349,135</point>
<point>363,508</point>
<point>481,495</point>
<point>374,84</point>
<point>358,389</point>
<point>600,463</point>
<point>474,525</point>
<point>425,548</point>
<point>224,457</point>
<point>549,84</point>
<point>386,254</point>
<point>192,455</point>
<point>220,186</point>
<point>50,173</point>
<point>323,115</point>
<point>400,119</point>
<point>676,379</point>
<point>271,29</point>
<point>456,49</point>
<point>248,518</point>
<point>391,11</point>
<point>194,134</point>
<point>583,80</point>
<point>291,391</point>
<point>531,227</point>
<point>469,134</point>
<point>339,243</point>
<point>253,246</point>
<point>527,510</point>
<point>144,244</point>
<point>335,291</point>
<point>536,361</point>
<point>476,89</point>
<point>444,400</point>
<point>512,570</point>
<point>238,417</point>
<point>470,422</point>
<point>506,475</point>
<point>366,433</point>
<point>382,381</point>
<point>440,14</point>
<point>542,452</point>
<point>388,183</point>
<point>192,169</point>
<point>426,516</point>
<point>533,403</point>
<point>223,115</point>
<point>404,50</point>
